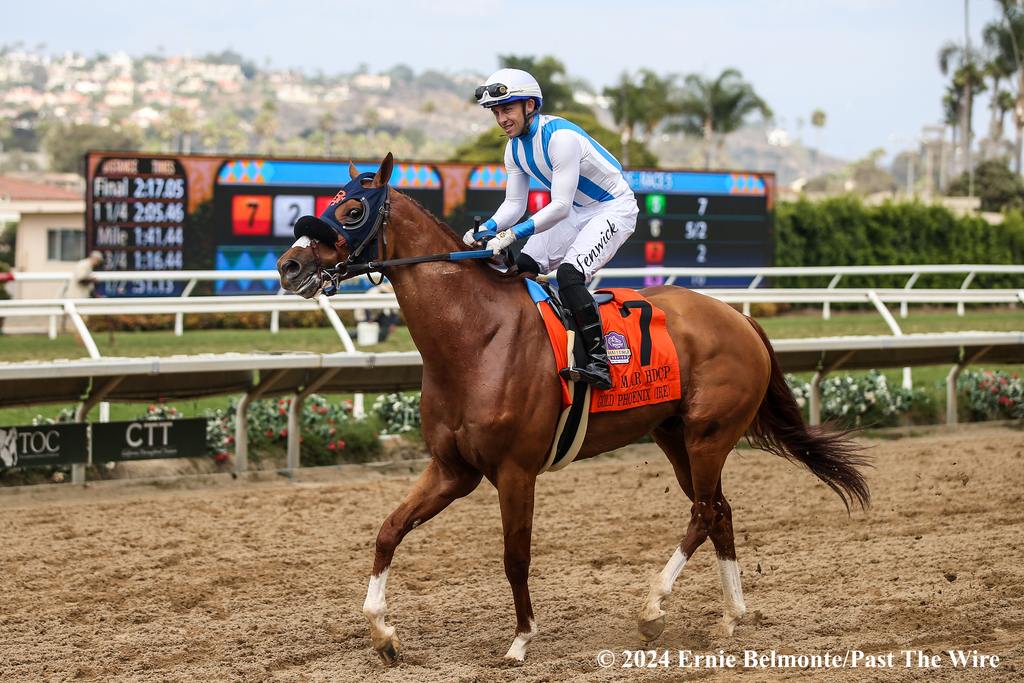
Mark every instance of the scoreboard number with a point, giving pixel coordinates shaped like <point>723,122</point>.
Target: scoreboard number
<point>287,209</point>
<point>250,214</point>
<point>696,230</point>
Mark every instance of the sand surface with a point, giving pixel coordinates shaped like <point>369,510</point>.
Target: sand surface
<point>265,581</point>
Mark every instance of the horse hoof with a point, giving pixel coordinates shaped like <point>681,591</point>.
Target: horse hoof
<point>388,651</point>
<point>651,629</point>
<point>724,629</point>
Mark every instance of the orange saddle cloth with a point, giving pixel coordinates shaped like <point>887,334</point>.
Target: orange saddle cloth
<point>642,359</point>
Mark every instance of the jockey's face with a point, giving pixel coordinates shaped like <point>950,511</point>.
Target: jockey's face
<point>511,117</point>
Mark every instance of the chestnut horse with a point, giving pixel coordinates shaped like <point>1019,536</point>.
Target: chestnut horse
<point>491,400</point>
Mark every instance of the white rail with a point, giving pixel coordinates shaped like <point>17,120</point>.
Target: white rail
<point>299,374</point>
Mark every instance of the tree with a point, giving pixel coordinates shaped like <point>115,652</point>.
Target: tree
<point>177,130</point>
<point>327,126</point>
<point>964,65</point>
<point>818,120</point>
<point>489,147</point>
<point>67,144</point>
<point>265,126</point>
<point>714,108</point>
<point>1005,41</point>
<point>998,187</point>
<point>643,102</point>
<point>550,74</point>
<point>225,133</point>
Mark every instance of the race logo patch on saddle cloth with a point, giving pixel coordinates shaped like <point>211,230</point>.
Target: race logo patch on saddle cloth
<point>642,360</point>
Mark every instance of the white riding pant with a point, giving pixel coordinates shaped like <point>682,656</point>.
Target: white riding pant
<point>587,238</point>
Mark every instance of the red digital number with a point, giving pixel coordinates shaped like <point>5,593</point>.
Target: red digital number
<point>250,214</point>
<point>654,252</point>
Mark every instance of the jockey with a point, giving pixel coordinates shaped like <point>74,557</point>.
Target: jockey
<point>591,214</point>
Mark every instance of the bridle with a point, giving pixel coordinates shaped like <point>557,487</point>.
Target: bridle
<point>354,264</point>
<point>361,260</point>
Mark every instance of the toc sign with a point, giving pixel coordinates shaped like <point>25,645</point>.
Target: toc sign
<point>149,439</point>
<point>31,446</point>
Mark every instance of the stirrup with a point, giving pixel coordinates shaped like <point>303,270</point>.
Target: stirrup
<point>582,375</point>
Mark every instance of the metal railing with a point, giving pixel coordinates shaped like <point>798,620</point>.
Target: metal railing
<point>300,374</point>
<point>665,275</point>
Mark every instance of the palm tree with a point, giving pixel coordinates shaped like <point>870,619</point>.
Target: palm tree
<point>1005,38</point>
<point>818,119</point>
<point>952,117</point>
<point>644,102</point>
<point>714,108</point>
<point>964,65</point>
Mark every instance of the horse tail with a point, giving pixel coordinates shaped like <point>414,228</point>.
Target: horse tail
<point>830,455</point>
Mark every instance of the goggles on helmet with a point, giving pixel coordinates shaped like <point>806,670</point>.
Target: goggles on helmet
<point>492,89</point>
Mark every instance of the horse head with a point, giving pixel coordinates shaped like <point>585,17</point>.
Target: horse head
<point>333,246</point>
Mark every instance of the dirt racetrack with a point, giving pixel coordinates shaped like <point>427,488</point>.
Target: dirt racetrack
<point>265,581</point>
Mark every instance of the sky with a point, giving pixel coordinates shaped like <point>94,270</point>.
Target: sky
<point>871,65</point>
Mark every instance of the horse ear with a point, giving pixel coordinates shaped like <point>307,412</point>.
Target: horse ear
<point>384,172</point>
<point>352,171</point>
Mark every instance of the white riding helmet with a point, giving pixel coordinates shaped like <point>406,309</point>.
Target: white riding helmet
<point>509,85</point>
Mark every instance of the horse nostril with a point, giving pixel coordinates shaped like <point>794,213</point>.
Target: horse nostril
<point>291,268</point>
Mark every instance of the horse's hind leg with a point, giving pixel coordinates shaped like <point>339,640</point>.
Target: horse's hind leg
<point>670,439</point>
<point>697,458</point>
<point>435,489</point>
<point>728,568</point>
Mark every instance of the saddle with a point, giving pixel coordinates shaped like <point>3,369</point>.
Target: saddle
<point>642,361</point>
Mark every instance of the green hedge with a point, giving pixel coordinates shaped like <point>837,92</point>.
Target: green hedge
<point>844,232</point>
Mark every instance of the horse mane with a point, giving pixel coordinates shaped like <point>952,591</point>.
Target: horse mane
<point>458,245</point>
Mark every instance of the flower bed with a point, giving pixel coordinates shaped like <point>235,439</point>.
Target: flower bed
<point>865,401</point>
<point>991,395</point>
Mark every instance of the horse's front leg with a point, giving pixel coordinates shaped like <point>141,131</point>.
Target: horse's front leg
<point>515,494</point>
<point>436,488</point>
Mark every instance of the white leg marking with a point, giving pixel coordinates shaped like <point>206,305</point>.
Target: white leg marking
<point>661,586</point>
<point>375,608</point>
<point>518,649</point>
<point>732,593</point>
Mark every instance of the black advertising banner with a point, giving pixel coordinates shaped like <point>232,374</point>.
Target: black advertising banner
<point>149,439</point>
<point>38,445</point>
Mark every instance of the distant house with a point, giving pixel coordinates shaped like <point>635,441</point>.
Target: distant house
<point>50,232</point>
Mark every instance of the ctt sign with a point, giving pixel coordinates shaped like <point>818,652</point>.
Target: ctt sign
<point>149,439</point>
<point>37,445</point>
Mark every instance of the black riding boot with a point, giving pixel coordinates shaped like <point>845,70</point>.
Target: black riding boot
<point>580,302</point>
